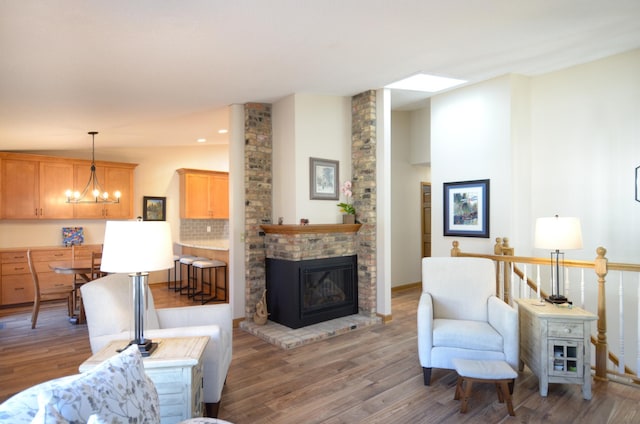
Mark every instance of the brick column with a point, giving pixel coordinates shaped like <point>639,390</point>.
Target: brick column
<point>363,165</point>
<point>258,199</point>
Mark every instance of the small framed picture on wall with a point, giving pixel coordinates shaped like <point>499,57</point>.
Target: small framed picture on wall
<point>154,208</point>
<point>323,179</point>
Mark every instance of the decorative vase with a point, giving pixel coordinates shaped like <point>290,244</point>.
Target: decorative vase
<point>348,219</point>
<point>260,317</point>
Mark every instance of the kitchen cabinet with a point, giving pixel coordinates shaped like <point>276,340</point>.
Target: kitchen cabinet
<point>204,194</point>
<point>112,178</point>
<point>16,281</point>
<point>17,286</point>
<point>34,189</point>
<point>34,186</point>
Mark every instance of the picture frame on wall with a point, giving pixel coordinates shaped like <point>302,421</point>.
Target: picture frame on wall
<point>323,179</point>
<point>638,184</point>
<point>154,208</point>
<point>466,208</point>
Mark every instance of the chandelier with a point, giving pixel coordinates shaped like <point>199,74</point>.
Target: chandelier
<point>93,191</point>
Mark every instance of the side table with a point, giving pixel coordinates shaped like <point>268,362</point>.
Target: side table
<point>555,343</point>
<point>175,368</point>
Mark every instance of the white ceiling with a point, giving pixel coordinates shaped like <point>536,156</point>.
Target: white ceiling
<point>160,72</point>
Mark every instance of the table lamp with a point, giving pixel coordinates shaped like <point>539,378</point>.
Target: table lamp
<point>137,248</point>
<point>557,233</point>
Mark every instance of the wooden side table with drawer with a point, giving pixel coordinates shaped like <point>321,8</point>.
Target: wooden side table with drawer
<point>176,370</point>
<point>555,343</point>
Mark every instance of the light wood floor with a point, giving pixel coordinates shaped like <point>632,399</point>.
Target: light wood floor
<point>370,375</point>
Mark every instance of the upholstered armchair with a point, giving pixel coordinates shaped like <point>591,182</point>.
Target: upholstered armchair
<point>459,315</point>
<point>107,303</point>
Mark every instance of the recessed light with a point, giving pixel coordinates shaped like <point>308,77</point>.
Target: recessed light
<point>201,140</point>
<point>425,82</point>
<point>223,131</point>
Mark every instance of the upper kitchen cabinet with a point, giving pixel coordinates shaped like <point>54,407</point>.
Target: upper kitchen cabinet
<point>204,194</point>
<point>113,177</point>
<point>34,187</point>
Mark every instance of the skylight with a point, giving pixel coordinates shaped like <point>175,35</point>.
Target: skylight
<point>425,82</point>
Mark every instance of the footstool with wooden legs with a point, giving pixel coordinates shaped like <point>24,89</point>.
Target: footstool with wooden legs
<point>484,371</point>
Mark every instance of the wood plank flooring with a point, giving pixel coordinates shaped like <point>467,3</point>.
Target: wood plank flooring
<point>370,375</point>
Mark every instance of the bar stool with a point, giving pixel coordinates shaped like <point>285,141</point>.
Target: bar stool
<point>176,261</point>
<point>210,264</point>
<point>188,260</point>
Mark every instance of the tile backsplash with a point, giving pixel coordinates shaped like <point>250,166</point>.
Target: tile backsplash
<point>196,229</point>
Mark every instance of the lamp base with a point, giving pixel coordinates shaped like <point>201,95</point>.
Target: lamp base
<point>554,298</point>
<point>146,347</point>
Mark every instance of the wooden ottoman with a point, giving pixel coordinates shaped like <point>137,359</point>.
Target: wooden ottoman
<point>495,372</point>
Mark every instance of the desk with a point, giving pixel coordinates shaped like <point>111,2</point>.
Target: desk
<point>175,368</point>
<point>81,268</point>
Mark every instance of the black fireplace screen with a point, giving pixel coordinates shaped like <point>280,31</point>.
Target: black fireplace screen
<point>323,288</point>
<point>301,293</point>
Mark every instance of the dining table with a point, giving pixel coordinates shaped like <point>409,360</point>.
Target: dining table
<point>78,268</point>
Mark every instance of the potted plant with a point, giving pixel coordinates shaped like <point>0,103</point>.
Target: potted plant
<point>346,207</point>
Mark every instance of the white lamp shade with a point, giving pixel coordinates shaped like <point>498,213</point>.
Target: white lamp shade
<point>558,233</point>
<point>137,246</point>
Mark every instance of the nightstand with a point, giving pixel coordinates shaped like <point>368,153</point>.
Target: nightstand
<point>555,343</point>
<point>176,370</point>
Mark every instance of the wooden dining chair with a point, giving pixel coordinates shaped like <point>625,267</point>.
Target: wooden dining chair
<point>96,261</point>
<point>62,292</point>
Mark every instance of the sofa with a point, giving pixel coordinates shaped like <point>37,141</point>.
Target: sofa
<point>107,303</point>
<point>116,391</point>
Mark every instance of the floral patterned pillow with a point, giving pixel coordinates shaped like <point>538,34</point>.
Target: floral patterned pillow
<point>117,390</point>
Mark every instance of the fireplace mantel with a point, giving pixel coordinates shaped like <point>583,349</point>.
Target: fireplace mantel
<point>311,228</point>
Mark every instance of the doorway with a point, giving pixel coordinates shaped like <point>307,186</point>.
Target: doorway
<point>425,193</point>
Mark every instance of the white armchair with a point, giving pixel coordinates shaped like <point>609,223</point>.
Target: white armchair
<point>107,303</point>
<point>459,315</point>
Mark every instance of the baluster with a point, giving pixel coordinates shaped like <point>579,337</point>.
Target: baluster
<point>582,288</point>
<point>514,286</point>
<point>524,293</point>
<point>538,284</point>
<point>621,360</point>
<point>567,291</point>
<point>638,327</point>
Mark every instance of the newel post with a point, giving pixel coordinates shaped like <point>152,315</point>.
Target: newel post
<point>601,342</point>
<point>507,251</point>
<point>455,250</point>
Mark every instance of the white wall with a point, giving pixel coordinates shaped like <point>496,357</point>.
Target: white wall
<point>155,175</point>
<point>471,140</point>
<point>406,197</point>
<point>321,129</point>
<point>420,136</point>
<point>586,135</point>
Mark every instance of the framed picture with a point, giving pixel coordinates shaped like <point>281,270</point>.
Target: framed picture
<point>323,179</point>
<point>466,209</point>
<point>154,208</point>
<point>638,184</point>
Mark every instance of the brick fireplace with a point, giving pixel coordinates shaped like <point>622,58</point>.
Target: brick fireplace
<point>323,255</point>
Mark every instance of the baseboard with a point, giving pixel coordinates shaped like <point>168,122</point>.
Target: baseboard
<point>407,286</point>
<point>385,318</point>
<point>237,321</point>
